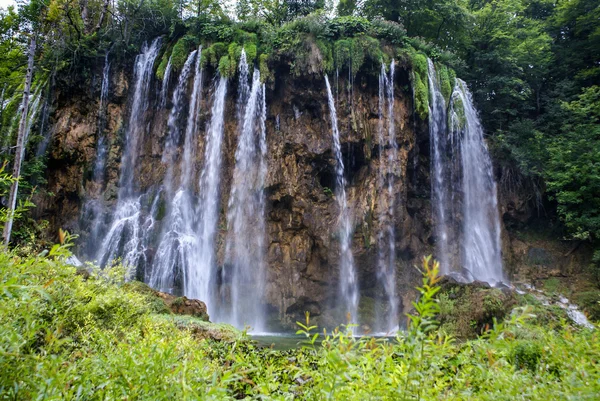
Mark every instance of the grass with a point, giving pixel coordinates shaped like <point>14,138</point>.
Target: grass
<point>64,337</point>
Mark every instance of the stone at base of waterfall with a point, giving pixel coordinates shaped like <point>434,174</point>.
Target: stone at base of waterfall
<point>184,305</point>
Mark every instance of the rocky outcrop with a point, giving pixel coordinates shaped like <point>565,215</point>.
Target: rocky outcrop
<point>184,305</point>
<point>302,250</point>
<point>302,212</point>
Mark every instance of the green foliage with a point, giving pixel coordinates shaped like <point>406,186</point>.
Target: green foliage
<point>421,96</point>
<point>263,67</point>
<point>572,172</point>
<point>64,336</point>
<point>526,355</point>
<point>181,50</point>
<point>446,82</point>
<point>226,67</point>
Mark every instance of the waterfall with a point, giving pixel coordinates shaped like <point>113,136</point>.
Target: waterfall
<point>124,237</point>
<point>348,282</point>
<point>174,131</point>
<point>463,190</point>
<point>92,211</point>
<point>481,219</point>
<point>164,90</point>
<point>178,241</point>
<point>440,166</point>
<point>102,148</point>
<point>203,274</point>
<point>244,264</point>
<point>388,156</point>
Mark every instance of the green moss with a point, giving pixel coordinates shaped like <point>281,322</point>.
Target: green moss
<point>458,112</point>
<point>263,67</point>
<point>326,50</point>
<point>225,67</point>
<point>552,285</point>
<point>162,67</point>
<point>181,50</point>
<point>251,52</point>
<point>421,96</point>
<point>212,55</point>
<point>445,83</point>
<point>419,64</point>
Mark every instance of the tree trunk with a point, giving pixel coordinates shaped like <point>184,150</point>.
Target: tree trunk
<point>102,15</point>
<point>85,16</point>
<point>20,150</point>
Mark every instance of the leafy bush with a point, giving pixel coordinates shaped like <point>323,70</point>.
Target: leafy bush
<point>63,336</point>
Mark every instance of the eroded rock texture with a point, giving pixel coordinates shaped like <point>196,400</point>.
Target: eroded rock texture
<point>302,238</point>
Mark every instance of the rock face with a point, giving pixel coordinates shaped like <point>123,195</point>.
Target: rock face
<point>302,239</point>
<point>184,305</point>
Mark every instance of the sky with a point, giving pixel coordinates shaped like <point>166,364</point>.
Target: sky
<point>6,3</point>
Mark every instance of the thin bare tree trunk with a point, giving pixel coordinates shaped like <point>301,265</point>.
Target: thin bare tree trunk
<point>102,15</point>
<point>20,150</point>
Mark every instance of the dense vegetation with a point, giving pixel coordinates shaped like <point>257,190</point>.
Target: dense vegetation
<point>68,336</point>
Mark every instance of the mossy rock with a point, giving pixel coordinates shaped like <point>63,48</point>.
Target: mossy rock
<point>201,329</point>
<point>157,305</point>
<point>467,310</point>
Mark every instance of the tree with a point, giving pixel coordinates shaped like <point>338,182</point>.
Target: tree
<point>20,149</point>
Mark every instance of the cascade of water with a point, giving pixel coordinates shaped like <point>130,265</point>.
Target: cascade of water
<point>176,250</point>
<point>387,235</point>
<point>124,235</point>
<point>199,278</point>
<point>243,89</point>
<point>481,220</point>
<point>462,184</point>
<point>174,131</point>
<point>192,124</point>
<point>164,90</point>
<point>245,216</point>
<point>440,166</point>
<point>102,148</point>
<point>92,210</point>
<point>348,282</point>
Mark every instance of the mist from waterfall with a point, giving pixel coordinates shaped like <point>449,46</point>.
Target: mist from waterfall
<point>463,190</point>
<point>348,280</point>
<point>124,238</point>
<point>244,254</point>
<point>388,156</point>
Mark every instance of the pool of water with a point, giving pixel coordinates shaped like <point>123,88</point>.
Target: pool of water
<point>280,341</point>
<point>287,341</point>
